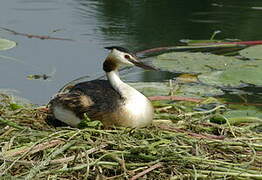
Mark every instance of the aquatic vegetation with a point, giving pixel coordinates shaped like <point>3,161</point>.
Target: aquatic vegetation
<point>253,52</point>
<point>185,62</point>
<point>239,76</point>
<point>179,89</point>
<point>212,69</point>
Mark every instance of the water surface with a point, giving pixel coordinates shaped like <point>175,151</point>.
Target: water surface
<point>135,24</point>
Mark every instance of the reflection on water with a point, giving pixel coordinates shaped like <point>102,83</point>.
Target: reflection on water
<point>135,24</point>
<point>145,24</point>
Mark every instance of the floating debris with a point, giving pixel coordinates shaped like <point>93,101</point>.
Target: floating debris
<point>42,76</point>
<point>38,76</point>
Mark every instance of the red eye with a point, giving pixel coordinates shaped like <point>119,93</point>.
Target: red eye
<point>127,56</point>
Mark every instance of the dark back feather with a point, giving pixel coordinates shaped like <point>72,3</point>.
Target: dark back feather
<point>105,98</point>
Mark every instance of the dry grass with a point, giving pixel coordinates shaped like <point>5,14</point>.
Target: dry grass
<point>182,144</point>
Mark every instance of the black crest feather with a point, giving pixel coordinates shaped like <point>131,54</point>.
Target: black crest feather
<point>118,48</point>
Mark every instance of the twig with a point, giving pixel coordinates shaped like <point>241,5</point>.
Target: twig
<point>253,151</point>
<point>71,158</point>
<point>203,112</point>
<point>158,165</point>
<point>33,150</point>
<point>44,163</point>
<point>25,153</point>
<point>35,36</point>
<point>58,161</point>
<point>229,125</point>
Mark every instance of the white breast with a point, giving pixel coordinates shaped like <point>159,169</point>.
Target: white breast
<point>138,107</point>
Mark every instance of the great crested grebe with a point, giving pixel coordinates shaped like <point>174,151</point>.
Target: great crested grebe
<point>111,101</point>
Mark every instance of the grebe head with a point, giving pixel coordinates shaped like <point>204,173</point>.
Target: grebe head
<point>121,56</point>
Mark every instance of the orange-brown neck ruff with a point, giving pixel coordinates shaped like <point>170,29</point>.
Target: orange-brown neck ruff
<point>109,65</point>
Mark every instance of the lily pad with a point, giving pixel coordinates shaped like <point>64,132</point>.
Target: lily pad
<point>253,52</point>
<point>252,112</point>
<point>198,90</point>
<point>236,117</point>
<point>237,76</point>
<point>183,90</point>
<point>152,88</point>
<point>239,119</point>
<point>6,44</point>
<point>193,62</point>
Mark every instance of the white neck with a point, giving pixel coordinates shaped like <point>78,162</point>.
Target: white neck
<point>122,88</point>
<point>138,110</point>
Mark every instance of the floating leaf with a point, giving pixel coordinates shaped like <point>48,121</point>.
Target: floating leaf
<point>238,114</point>
<point>236,117</point>
<point>198,90</point>
<point>193,62</point>
<point>253,52</point>
<point>6,44</point>
<point>252,112</point>
<point>236,120</point>
<point>184,90</point>
<point>187,78</point>
<point>152,88</point>
<point>237,76</point>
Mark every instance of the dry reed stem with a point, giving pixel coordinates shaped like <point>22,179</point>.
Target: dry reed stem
<point>158,165</point>
<point>188,147</point>
<point>35,149</point>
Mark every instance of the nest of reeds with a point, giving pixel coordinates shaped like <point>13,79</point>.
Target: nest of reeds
<point>181,144</point>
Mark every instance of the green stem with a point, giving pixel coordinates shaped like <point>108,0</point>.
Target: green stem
<point>12,124</point>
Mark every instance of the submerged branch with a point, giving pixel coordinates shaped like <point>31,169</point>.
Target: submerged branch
<point>42,37</point>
